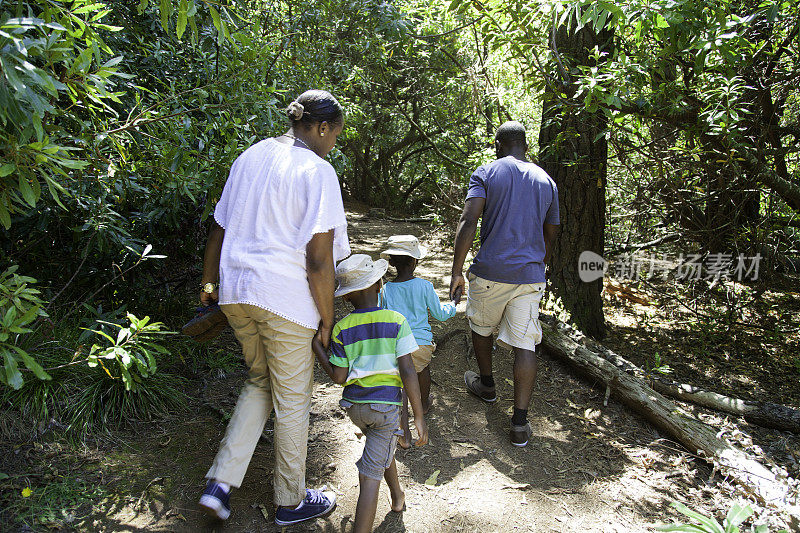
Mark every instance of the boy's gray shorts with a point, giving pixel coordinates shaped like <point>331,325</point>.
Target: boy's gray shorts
<point>380,423</point>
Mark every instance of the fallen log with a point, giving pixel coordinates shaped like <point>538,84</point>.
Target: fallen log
<point>764,414</point>
<point>765,485</point>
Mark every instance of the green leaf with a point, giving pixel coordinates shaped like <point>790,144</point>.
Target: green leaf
<point>215,18</point>
<point>27,191</point>
<point>28,316</point>
<point>5,217</point>
<point>431,481</point>
<point>737,515</point>
<point>686,528</point>
<point>7,169</point>
<point>166,13</point>
<point>13,375</point>
<point>11,314</point>
<point>33,366</point>
<point>88,8</point>
<point>711,524</point>
<point>142,6</point>
<point>126,378</point>
<point>183,9</point>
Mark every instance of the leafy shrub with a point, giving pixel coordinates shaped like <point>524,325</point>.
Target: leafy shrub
<point>19,306</point>
<point>131,350</point>
<point>115,384</point>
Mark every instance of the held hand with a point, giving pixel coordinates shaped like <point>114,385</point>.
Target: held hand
<point>316,345</point>
<point>323,335</point>
<point>422,431</point>
<point>457,285</point>
<point>209,298</point>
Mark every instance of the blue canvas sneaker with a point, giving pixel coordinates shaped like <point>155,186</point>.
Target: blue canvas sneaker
<point>215,501</point>
<point>316,503</point>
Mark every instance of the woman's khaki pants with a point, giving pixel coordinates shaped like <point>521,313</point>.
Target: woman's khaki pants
<point>281,373</point>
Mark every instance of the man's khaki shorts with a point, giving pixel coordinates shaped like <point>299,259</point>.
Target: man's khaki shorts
<point>510,310</point>
<point>422,357</point>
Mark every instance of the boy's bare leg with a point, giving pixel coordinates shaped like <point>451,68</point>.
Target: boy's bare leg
<point>393,480</point>
<point>424,379</point>
<point>404,441</point>
<point>367,503</point>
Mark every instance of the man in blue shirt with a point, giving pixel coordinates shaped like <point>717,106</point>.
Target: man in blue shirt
<point>519,205</point>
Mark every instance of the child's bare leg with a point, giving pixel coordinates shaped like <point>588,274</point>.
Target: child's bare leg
<point>424,379</point>
<point>404,441</point>
<point>367,504</point>
<point>393,480</point>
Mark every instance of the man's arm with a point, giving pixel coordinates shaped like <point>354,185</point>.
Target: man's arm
<point>550,231</point>
<point>211,262</point>
<point>465,234</point>
<point>321,280</point>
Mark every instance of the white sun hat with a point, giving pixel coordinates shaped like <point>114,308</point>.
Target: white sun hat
<point>405,245</point>
<point>358,272</point>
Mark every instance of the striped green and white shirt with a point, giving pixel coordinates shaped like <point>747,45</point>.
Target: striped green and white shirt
<point>368,342</point>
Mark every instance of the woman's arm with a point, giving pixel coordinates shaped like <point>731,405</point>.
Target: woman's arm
<point>321,280</point>
<point>211,262</point>
<point>337,373</point>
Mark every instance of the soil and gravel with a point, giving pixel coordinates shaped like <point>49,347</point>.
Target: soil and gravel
<point>589,466</point>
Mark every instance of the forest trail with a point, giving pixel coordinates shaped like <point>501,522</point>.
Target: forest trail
<point>589,467</point>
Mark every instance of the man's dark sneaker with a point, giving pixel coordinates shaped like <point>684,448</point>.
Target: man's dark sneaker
<point>474,386</point>
<point>215,501</point>
<point>316,503</point>
<point>520,434</point>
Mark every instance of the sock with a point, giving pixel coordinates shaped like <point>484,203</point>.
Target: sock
<point>487,381</point>
<point>224,486</point>
<point>520,417</point>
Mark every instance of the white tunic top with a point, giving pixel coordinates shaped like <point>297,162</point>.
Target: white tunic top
<point>276,198</point>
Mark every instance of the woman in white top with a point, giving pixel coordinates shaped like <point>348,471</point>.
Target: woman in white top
<point>278,230</point>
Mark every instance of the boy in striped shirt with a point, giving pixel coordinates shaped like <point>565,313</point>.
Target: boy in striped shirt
<point>371,348</point>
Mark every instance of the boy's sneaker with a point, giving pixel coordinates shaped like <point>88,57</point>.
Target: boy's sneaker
<point>474,386</point>
<point>316,503</point>
<point>520,434</point>
<point>215,501</point>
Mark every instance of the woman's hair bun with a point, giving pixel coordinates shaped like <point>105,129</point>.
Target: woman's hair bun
<point>295,110</point>
<point>315,106</point>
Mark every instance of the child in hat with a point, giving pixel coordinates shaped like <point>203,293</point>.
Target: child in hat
<point>413,297</point>
<point>370,356</point>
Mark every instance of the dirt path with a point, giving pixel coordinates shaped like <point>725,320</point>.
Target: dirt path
<point>589,467</point>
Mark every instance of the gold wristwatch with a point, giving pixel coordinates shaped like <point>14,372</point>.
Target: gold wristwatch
<point>209,287</point>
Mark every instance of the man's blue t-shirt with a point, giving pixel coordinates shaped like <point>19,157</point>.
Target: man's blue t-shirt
<point>520,198</point>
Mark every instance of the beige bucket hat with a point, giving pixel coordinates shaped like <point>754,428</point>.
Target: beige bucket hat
<point>358,272</point>
<point>405,245</point>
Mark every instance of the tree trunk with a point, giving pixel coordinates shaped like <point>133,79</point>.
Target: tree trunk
<point>573,150</point>
<point>755,478</point>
